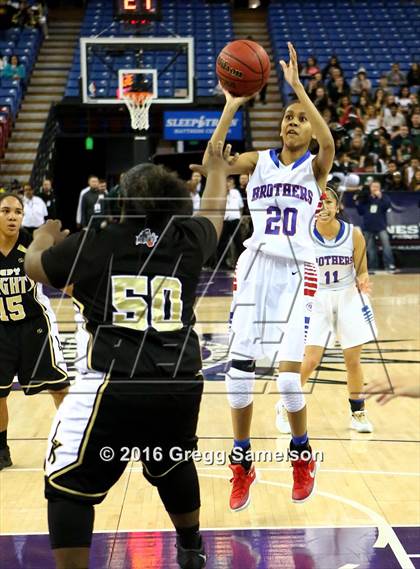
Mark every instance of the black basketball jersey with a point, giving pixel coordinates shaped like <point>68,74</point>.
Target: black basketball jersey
<point>19,295</point>
<point>136,289</point>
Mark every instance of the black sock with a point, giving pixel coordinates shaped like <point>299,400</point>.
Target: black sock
<point>239,456</point>
<point>189,538</point>
<point>300,448</point>
<point>3,439</point>
<point>357,405</point>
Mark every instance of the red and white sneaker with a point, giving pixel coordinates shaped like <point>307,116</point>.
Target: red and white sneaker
<point>303,479</point>
<point>241,482</point>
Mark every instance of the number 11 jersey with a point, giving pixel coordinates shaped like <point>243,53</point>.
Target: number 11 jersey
<point>282,201</point>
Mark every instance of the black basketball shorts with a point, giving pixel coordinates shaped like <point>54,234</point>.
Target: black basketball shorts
<point>102,425</point>
<point>31,350</point>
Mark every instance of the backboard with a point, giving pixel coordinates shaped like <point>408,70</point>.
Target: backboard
<point>103,61</point>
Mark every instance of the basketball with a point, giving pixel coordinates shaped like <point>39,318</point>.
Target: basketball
<point>243,67</point>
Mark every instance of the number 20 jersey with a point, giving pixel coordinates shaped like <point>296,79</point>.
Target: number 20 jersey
<point>282,201</point>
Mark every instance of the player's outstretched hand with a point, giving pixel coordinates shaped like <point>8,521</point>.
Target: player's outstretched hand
<point>52,228</point>
<point>364,284</point>
<point>216,158</point>
<point>290,70</point>
<point>232,101</point>
<point>383,391</point>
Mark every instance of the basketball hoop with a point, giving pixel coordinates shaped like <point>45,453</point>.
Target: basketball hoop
<point>138,103</point>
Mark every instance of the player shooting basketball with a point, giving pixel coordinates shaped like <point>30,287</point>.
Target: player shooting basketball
<point>273,275</point>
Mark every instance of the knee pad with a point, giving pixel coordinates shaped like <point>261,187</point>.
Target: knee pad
<point>70,523</point>
<point>288,385</point>
<point>239,381</point>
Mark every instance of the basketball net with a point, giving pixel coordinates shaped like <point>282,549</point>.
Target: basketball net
<point>138,104</point>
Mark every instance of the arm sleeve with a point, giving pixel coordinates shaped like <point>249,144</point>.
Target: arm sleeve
<point>62,262</point>
<point>203,235</point>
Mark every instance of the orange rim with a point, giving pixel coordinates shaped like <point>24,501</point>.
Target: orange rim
<point>138,96</point>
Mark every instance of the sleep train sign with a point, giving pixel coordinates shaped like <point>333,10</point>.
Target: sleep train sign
<point>198,125</point>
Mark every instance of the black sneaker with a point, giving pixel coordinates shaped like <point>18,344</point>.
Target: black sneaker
<point>5,459</point>
<point>191,558</point>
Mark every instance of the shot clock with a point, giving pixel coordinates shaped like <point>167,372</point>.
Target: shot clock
<point>137,9</point>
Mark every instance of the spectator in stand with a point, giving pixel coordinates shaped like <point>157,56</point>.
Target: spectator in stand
<point>414,100</point>
<point>332,63</point>
<point>348,114</point>
<point>321,100</point>
<point>383,84</point>
<point>373,209</point>
<point>310,68</point>
<point>313,85</point>
<point>47,194</point>
<point>372,119</point>
<point>396,77</point>
<point>360,81</point>
<point>405,152</point>
<point>384,150</point>
<point>396,184</point>
<point>410,169</point>
<point>14,70</point>
<point>415,129</point>
<point>231,231</point>
<point>343,108</point>
<point>392,168</point>
<point>338,88</point>
<point>356,150</point>
<point>327,116</point>
<point>93,183</point>
<point>403,98</point>
<point>335,73</point>
<point>400,137</point>
<point>393,118</point>
<point>362,105</point>
<point>358,132</point>
<point>413,75</point>
<point>379,99</point>
<point>415,182</point>
<point>35,210</point>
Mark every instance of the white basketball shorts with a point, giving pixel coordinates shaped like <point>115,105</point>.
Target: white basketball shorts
<point>344,315</point>
<point>268,307</point>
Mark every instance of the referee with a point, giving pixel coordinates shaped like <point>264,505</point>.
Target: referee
<point>135,283</point>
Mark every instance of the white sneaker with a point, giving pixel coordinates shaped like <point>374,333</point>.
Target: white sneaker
<point>360,422</point>
<point>282,420</point>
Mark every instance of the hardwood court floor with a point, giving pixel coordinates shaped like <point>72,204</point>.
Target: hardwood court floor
<point>363,480</point>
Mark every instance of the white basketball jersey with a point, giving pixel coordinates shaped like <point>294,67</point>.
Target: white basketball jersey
<point>282,201</point>
<point>335,258</point>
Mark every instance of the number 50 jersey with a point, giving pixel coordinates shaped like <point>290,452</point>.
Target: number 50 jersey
<point>136,288</point>
<point>282,201</point>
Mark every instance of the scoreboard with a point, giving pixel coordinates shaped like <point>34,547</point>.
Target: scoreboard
<point>137,9</point>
